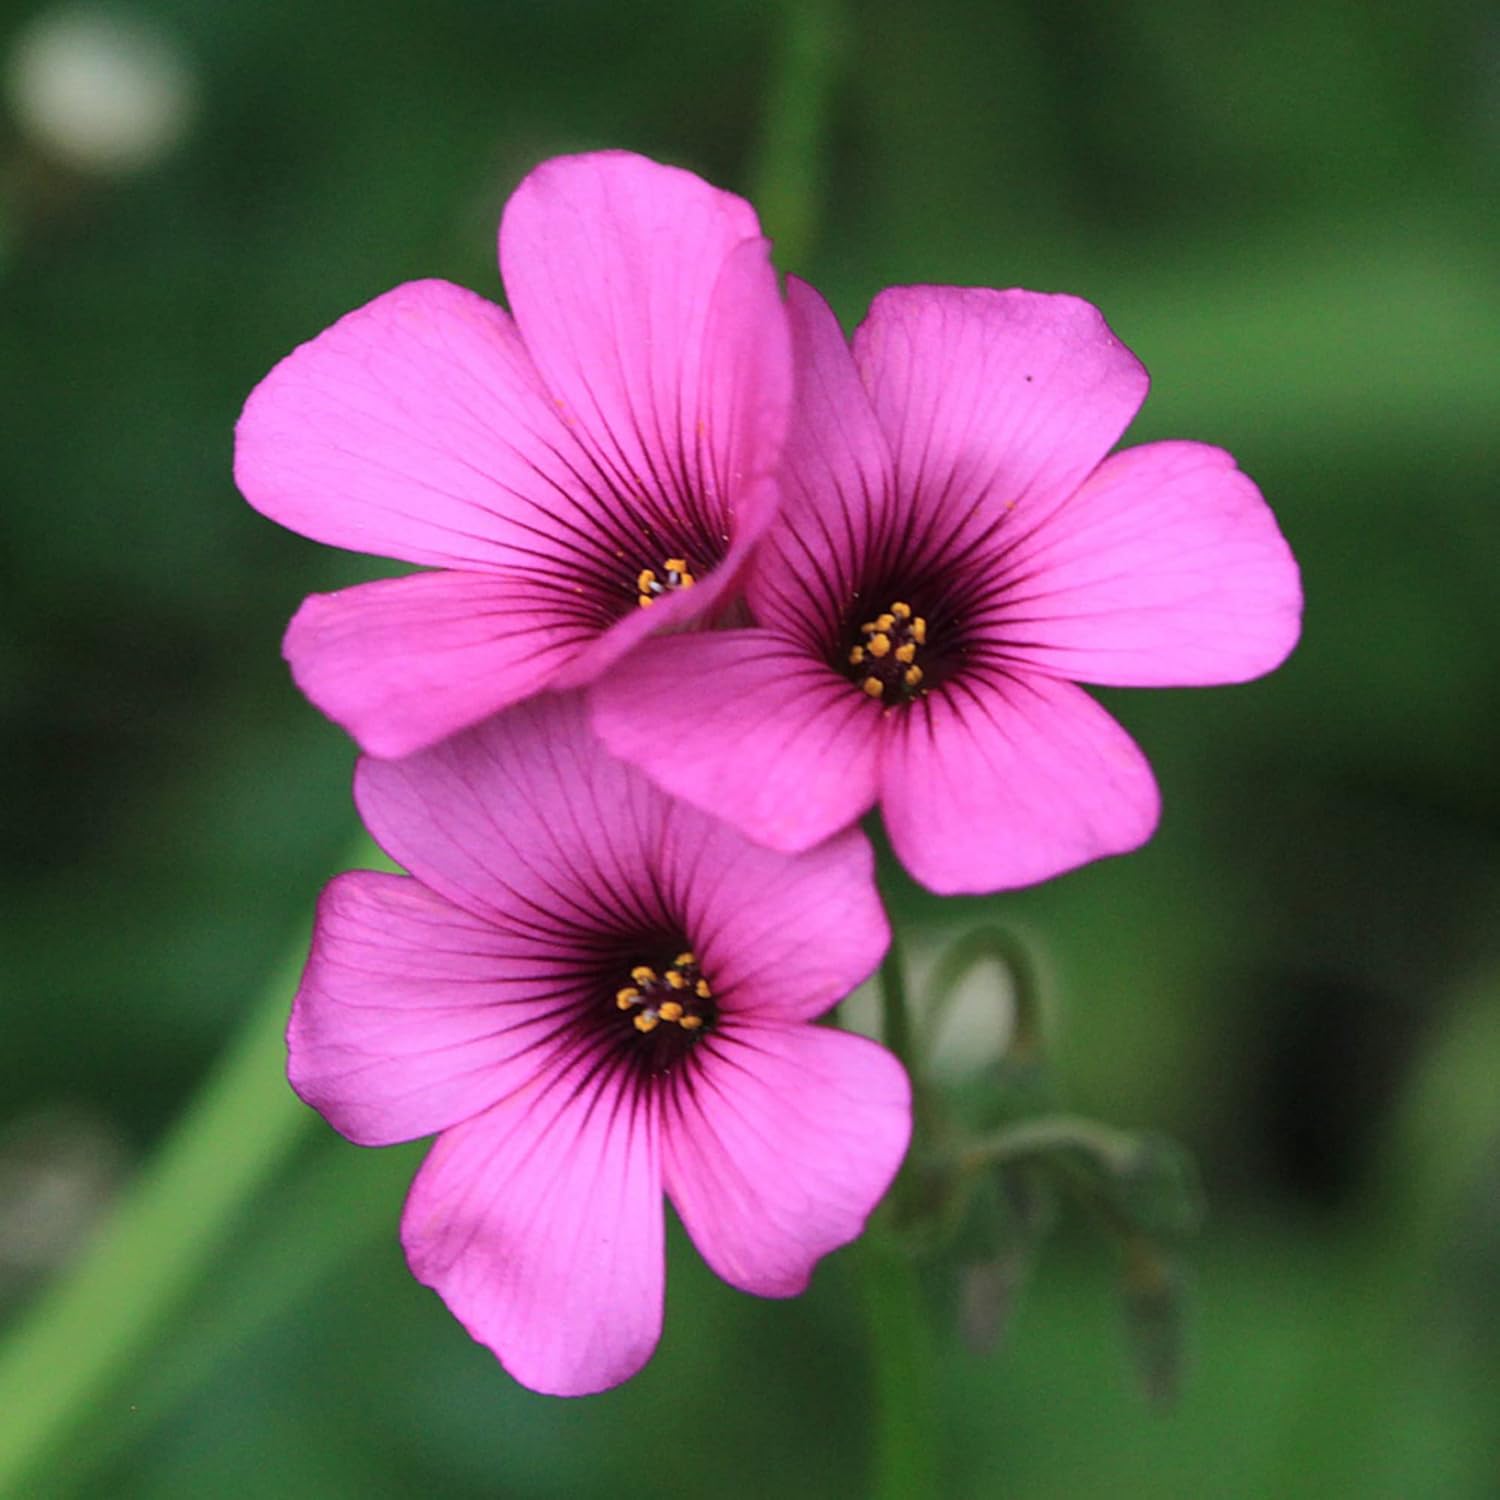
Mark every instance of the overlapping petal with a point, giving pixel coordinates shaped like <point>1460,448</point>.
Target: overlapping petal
<point>524,820</point>
<point>776,1154</point>
<point>747,725</point>
<point>647,301</point>
<point>404,662</point>
<point>1165,569</point>
<point>838,516</point>
<point>540,1225</point>
<point>1000,780</point>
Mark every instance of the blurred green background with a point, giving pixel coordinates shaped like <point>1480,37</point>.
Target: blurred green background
<point>1288,213</point>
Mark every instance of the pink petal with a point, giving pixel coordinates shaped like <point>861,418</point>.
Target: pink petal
<point>405,662</point>
<point>997,405</point>
<point>836,508</point>
<point>784,1144</point>
<point>412,1014</point>
<point>775,936</point>
<point>417,428</point>
<point>749,726</point>
<point>522,820</point>
<point>540,1225</point>
<point>647,300</point>
<point>1165,569</point>
<point>997,781</point>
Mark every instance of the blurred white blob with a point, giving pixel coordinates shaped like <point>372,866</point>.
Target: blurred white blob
<point>972,1030</point>
<point>59,1168</point>
<point>99,90</point>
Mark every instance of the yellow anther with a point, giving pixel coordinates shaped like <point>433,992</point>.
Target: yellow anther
<point>676,979</point>
<point>901,611</point>
<point>690,1023</point>
<point>919,631</point>
<point>912,676</point>
<point>644,599</point>
<point>908,652</point>
<point>873,686</point>
<point>686,581</point>
<point>880,644</point>
<point>644,579</point>
<point>684,959</point>
<point>646,1021</point>
<point>642,974</point>
<point>701,989</point>
<point>676,565</point>
<point>884,622</point>
<point>856,656</point>
<point>627,997</point>
<point>669,1010</point>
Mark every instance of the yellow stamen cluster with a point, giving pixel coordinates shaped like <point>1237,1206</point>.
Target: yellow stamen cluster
<point>671,996</point>
<point>888,653</point>
<point>675,574</point>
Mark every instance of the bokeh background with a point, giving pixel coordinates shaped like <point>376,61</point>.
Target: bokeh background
<point>1288,212</point>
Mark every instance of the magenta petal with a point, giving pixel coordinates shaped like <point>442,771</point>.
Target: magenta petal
<point>540,1225</point>
<point>404,662</point>
<point>777,1154</point>
<point>412,1014</point>
<point>647,301</point>
<point>998,781</point>
<point>836,506</point>
<point>746,725</point>
<point>416,428</point>
<point>995,403</point>
<point>1166,569</point>
<point>524,820</point>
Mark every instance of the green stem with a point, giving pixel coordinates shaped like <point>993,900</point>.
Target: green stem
<point>895,1012</point>
<point>900,1341</point>
<point>82,1333</point>
<point>788,174</point>
<point>904,1460</point>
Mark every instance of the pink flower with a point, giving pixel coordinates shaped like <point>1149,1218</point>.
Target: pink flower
<point>954,552</point>
<point>609,448</point>
<point>595,995</point>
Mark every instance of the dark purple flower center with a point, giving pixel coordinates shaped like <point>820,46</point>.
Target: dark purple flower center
<point>667,1011</point>
<point>651,583</point>
<point>882,659</point>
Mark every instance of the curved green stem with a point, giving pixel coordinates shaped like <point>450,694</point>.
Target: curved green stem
<point>1046,1133</point>
<point>82,1333</point>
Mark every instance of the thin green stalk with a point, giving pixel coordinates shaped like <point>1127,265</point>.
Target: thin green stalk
<point>895,1010</point>
<point>789,169</point>
<point>67,1350</point>
<point>904,1461</point>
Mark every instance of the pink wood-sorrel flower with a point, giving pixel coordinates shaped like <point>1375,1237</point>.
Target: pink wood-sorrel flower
<point>595,994</point>
<point>954,552</point>
<point>609,449</point>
